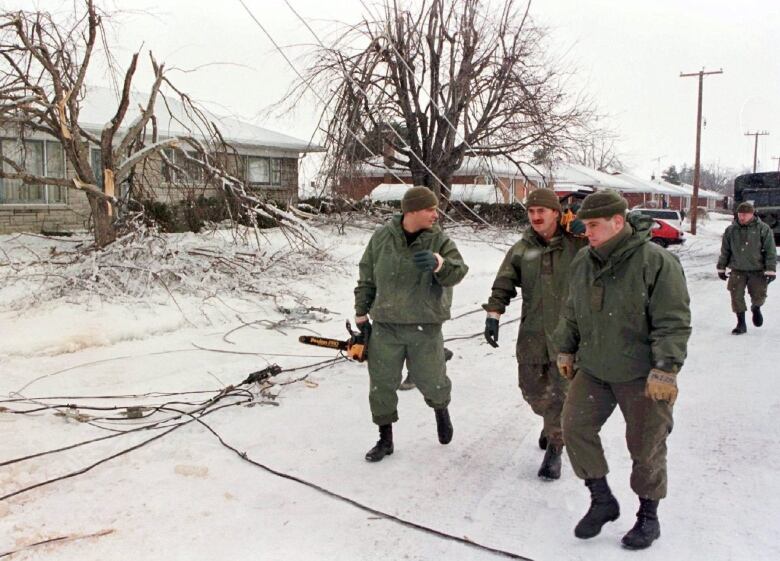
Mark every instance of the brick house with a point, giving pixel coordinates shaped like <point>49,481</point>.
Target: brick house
<point>268,161</point>
<point>495,174</point>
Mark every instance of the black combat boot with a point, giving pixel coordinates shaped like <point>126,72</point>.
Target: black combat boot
<point>758,317</point>
<point>647,529</point>
<point>407,384</point>
<point>384,447</point>
<point>443,425</point>
<point>603,508</point>
<point>542,440</point>
<point>551,465</point>
<point>741,325</point>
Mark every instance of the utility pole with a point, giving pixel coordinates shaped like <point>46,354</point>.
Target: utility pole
<point>697,166</point>
<point>778,162</point>
<point>755,147</point>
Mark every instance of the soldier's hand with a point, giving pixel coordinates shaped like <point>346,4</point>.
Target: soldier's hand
<point>491,331</point>
<point>565,364</point>
<point>425,260</point>
<point>770,276</point>
<point>661,386</point>
<point>364,326</point>
<point>722,275</point>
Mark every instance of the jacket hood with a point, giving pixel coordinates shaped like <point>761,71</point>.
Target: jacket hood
<point>640,234</point>
<point>755,220</point>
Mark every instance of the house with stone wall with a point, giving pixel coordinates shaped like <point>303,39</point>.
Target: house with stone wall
<point>266,160</point>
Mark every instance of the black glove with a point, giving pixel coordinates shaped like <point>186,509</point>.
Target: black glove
<point>365,330</point>
<point>491,331</point>
<point>722,275</point>
<point>425,260</point>
<point>769,278</point>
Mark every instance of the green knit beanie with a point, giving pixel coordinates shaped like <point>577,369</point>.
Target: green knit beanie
<point>418,198</point>
<point>602,204</point>
<point>745,207</point>
<point>545,198</point>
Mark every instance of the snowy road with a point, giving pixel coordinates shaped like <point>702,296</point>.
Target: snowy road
<point>186,497</point>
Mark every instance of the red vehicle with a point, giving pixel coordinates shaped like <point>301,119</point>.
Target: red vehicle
<point>664,234</point>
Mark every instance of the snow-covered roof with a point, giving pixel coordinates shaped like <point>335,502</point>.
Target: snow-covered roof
<point>467,192</point>
<point>687,190</point>
<point>647,185</point>
<point>496,166</point>
<point>100,104</point>
<point>582,175</point>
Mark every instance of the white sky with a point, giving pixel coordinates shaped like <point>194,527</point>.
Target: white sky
<point>628,57</point>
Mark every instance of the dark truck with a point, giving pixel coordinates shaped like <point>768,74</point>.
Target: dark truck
<point>763,190</point>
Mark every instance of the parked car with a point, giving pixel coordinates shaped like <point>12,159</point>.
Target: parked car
<point>665,234</point>
<point>673,217</point>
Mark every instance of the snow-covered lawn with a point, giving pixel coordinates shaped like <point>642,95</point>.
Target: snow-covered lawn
<point>187,497</point>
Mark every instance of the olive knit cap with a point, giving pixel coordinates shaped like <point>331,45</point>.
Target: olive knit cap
<point>602,204</point>
<point>418,198</point>
<point>745,207</point>
<point>545,198</point>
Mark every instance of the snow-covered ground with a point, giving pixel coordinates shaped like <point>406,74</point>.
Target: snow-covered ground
<point>185,496</point>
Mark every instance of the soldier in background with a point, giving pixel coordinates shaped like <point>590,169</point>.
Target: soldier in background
<point>748,249</point>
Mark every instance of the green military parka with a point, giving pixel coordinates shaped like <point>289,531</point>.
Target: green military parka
<point>748,247</point>
<point>541,270</point>
<point>628,313</point>
<point>393,290</point>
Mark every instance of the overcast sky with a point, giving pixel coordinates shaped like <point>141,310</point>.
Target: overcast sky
<point>627,55</point>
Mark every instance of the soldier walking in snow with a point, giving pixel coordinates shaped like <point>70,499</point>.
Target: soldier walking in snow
<point>748,249</point>
<point>405,285</point>
<point>622,338</point>
<point>539,264</point>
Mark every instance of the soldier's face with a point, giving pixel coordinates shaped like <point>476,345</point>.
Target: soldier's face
<point>420,219</point>
<point>745,217</point>
<point>543,220</point>
<point>601,230</point>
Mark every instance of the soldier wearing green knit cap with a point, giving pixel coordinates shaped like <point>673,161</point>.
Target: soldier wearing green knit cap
<point>402,298</point>
<point>538,264</point>
<point>622,340</point>
<point>748,250</point>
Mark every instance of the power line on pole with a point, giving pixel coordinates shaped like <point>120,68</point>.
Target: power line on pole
<point>697,166</point>
<point>755,146</point>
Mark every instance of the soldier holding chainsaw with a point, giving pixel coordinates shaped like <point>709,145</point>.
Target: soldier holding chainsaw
<point>405,286</point>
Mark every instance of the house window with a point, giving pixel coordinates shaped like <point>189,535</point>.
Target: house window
<point>258,170</point>
<point>37,157</point>
<point>191,171</point>
<point>276,171</point>
<point>263,171</point>
<point>55,167</point>
<point>96,160</point>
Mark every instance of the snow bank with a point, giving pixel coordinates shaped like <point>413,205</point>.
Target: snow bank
<point>67,328</point>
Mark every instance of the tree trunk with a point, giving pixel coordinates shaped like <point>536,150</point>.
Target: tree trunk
<point>105,233</point>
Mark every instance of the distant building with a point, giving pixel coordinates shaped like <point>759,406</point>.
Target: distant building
<point>493,175</point>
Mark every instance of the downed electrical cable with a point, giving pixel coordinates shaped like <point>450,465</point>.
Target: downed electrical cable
<point>203,410</point>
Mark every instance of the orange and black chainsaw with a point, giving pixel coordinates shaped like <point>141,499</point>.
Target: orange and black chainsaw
<point>355,347</point>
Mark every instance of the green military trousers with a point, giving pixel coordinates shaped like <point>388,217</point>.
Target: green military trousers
<point>422,348</point>
<point>756,285</point>
<point>589,404</point>
<point>544,389</point>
